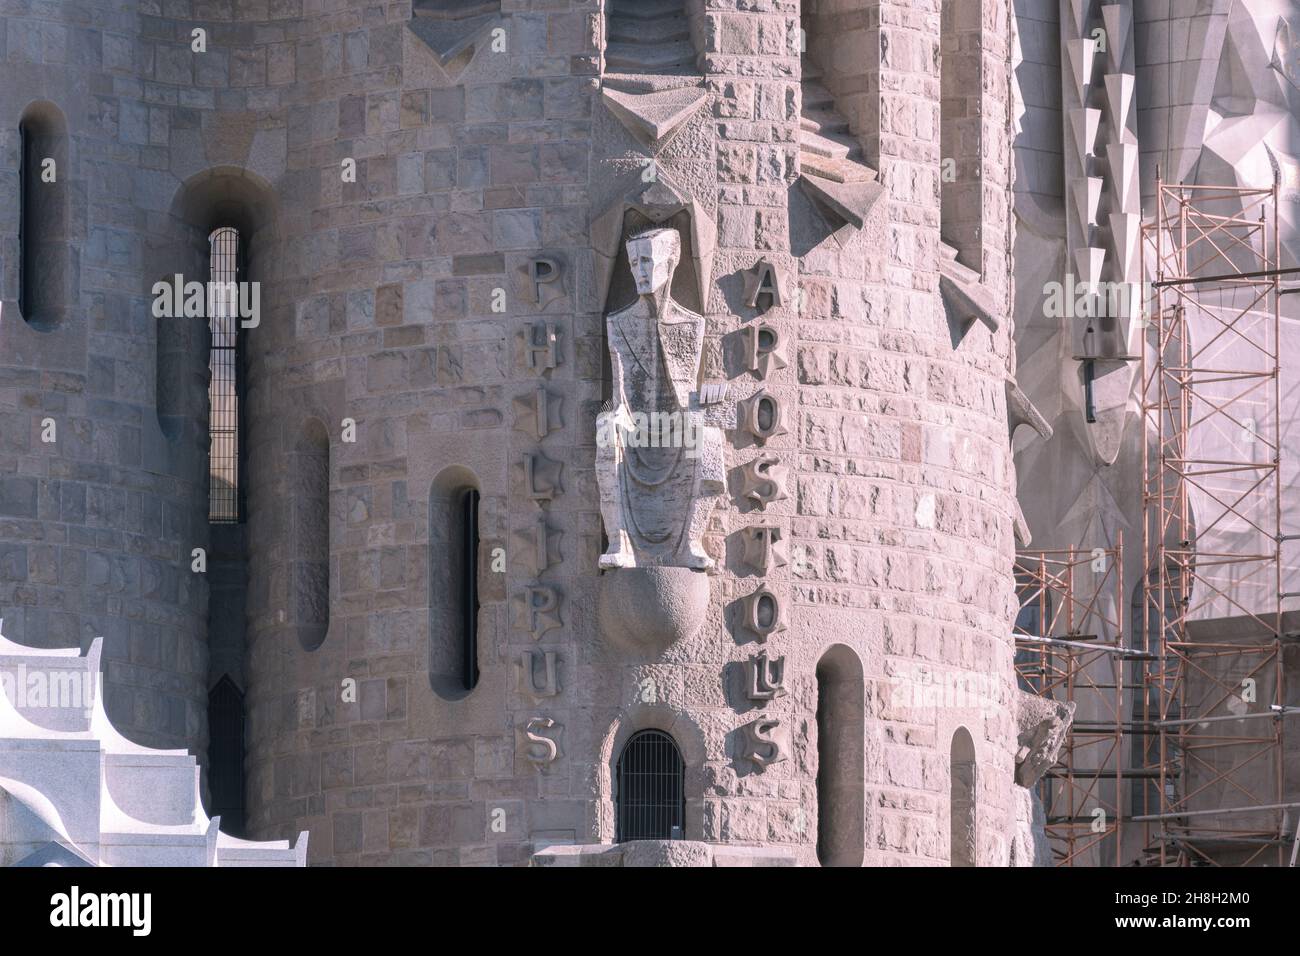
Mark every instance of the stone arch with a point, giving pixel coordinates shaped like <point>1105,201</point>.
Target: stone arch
<point>688,736</point>
<point>47,273</point>
<point>455,547</point>
<point>215,198</point>
<point>841,770</point>
<point>309,579</point>
<point>961,800</point>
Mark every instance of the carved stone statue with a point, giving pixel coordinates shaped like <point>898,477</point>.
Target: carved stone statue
<point>659,463</point>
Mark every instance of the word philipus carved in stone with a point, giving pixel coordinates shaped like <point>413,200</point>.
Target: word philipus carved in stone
<point>539,545</point>
<point>541,346</point>
<point>537,610</point>
<point>540,749</point>
<point>543,275</point>
<point>541,477</point>
<point>550,685</point>
<point>537,413</point>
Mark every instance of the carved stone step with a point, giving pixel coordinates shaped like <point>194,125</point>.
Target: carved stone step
<point>833,146</point>
<point>837,170</point>
<point>823,121</point>
<point>644,9</point>
<point>648,58</point>
<point>666,30</point>
<point>816,97</point>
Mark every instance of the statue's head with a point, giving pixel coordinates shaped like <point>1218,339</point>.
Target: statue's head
<point>653,256</point>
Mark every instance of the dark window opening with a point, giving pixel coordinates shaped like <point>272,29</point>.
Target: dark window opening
<point>226,755</point>
<point>44,268</point>
<point>469,603</point>
<point>650,798</point>
<point>225,271</point>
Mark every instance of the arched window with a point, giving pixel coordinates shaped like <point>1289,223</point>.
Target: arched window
<point>454,562</point>
<point>226,754</point>
<point>45,270</point>
<point>840,758</point>
<point>649,797</point>
<point>225,381</point>
<point>961,804</point>
<point>310,583</point>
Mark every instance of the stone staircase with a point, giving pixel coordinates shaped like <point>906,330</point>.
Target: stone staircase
<point>648,38</point>
<point>75,792</point>
<point>827,147</point>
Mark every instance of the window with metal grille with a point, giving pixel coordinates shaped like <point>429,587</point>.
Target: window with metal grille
<point>650,799</point>
<point>469,585</point>
<point>226,754</point>
<point>223,386</point>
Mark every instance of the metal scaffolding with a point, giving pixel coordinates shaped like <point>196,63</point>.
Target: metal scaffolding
<point>1070,647</point>
<point>1211,713</point>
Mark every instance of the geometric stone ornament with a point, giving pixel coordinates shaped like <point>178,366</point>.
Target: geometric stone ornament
<point>1021,411</point>
<point>538,545</point>
<point>764,741</point>
<point>844,203</point>
<point>537,610</point>
<point>1088,261</point>
<point>761,612</point>
<point>965,299</point>
<point>1118,18</point>
<point>541,477</point>
<point>1078,14</point>
<point>1081,53</point>
<point>550,685</point>
<point>764,679</point>
<point>1084,121</point>
<point>762,281</point>
<point>540,741</point>
<point>1124,235</point>
<point>1119,97</point>
<point>540,341</point>
<point>763,480</point>
<point>537,413</point>
<point>1123,159</point>
<point>764,548</point>
<point>764,349</point>
<point>1087,197</point>
<point>75,792</point>
<point>452,28</point>
<point>760,415</point>
<point>654,118</point>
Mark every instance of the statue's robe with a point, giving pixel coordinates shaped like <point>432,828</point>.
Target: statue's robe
<point>656,369</point>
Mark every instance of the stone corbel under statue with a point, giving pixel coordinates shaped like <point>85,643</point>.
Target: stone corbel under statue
<point>660,464</point>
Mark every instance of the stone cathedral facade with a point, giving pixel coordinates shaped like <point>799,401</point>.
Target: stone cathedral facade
<point>606,456</point>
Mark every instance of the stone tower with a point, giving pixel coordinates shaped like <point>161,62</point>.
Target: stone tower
<point>444,206</point>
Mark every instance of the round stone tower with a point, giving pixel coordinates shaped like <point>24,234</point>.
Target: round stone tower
<point>624,425</point>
